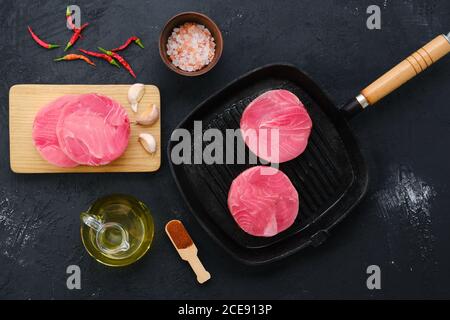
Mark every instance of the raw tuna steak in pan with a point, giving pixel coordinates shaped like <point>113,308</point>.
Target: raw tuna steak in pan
<point>263,201</point>
<point>281,110</point>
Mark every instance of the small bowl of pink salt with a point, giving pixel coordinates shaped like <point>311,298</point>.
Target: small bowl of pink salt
<point>190,44</point>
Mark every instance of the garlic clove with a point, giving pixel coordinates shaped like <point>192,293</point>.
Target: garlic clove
<point>148,142</point>
<point>135,94</point>
<point>149,117</point>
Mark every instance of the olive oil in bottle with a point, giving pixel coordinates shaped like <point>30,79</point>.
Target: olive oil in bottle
<point>117,230</point>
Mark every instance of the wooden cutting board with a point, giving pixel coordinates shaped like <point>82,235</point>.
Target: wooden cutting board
<point>26,99</point>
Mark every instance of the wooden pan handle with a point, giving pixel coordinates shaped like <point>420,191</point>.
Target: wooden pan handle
<point>407,69</point>
<point>402,73</point>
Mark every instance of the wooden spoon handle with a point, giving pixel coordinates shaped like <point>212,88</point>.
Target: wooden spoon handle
<point>407,69</point>
<point>199,269</point>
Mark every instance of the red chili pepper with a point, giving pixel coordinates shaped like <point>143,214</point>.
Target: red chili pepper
<point>41,42</point>
<point>127,43</point>
<point>70,57</point>
<point>119,58</point>
<point>81,28</point>
<point>76,35</point>
<point>101,56</point>
<point>69,19</point>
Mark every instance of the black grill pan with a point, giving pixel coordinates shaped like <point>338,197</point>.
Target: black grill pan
<point>331,176</point>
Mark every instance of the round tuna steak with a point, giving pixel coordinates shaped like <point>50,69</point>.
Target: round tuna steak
<point>44,133</point>
<point>263,201</point>
<point>276,126</point>
<point>93,130</point>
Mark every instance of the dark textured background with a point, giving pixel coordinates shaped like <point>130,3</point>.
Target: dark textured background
<point>402,224</point>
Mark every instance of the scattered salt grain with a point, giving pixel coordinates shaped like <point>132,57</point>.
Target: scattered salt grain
<point>191,47</point>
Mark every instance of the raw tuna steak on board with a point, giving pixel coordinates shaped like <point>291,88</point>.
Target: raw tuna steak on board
<point>44,133</point>
<point>93,130</point>
<point>280,110</point>
<point>263,201</point>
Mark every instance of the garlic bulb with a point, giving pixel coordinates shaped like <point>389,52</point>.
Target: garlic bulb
<point>148,142</point>
<point>135,94</point>
<point>148,117</point>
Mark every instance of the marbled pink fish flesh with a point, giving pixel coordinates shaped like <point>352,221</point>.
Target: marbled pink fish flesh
<point>276,126</point>
<point>263,201</point>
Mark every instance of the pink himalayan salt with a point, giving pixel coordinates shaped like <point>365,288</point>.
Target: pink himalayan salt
<point>191,47</point>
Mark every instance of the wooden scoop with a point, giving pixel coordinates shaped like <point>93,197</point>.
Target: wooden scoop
<point>186,248</point>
